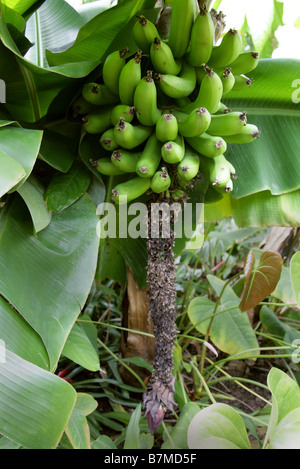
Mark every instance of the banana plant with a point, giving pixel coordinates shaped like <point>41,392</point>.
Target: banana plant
<point>49,245</point>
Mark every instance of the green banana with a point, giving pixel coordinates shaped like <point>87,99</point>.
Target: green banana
<point>145,101</point>
<point>97,121</point>
<point>162,58</point>
<point>227,124</point>
<point>166,128</point>
<point>112,68</point>
<point>188,168</point>
<point>183,13</point>
<point>202,39</point>
<point>130,76</point>
<point>245,63</point>
<point>231,169</point>
<point>208,145</point>
<point>216,170</point>
<point>105,167</point>
<point>201,72</point>
<point>241,83</point>
<point>173,152</point>
<point>181,102</point>
<point>122,111</point>
<point>130,190</point>
<point>150,158</point>
<point>125,160</point>
<point>229,186</point>
<point>108,140</point>
<point>178,86</point>
<point>99,95</point>
<point>210,93</point>
<point>193,124</point>
<point>81,107</point>
<point>161,181</point>
<point>223,109</point>
<point>183,183</point>
<point>228,80</point>
<point>144,32</point>
<point>248,133</point>
<point>130,136</point>
<point>229,49</point>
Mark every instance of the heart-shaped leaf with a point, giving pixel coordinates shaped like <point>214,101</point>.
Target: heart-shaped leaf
<point>230,330</point>
<point>218,426</point>
<point>77,428</point>
<point>260,281</point>
<point>285,405</point>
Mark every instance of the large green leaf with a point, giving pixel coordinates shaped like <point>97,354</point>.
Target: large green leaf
<point>88,11</point>
<point>32,193</point>
<point>65,189</point>
<point>20,338</point>
<point>230,330</point>
<point>79,349</point>
<point>96,36</point>
<point>11,173</point>
<point>177,437</point>
<point>59,151</point>
<point>16,165</point>
<point>32,89</point>
<point>77,428</point>
<point>272,162</point>
<point>53,26</point>
<point>53,273</point>
<point>20,6</point>
<point>35,405</point>
<point>285,400</point>
<point>218,426</point>
<point>265,209</point>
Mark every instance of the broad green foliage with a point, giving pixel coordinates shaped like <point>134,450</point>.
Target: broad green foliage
<point>16,166</point>
<point>177,437</point>
<point>77,427</point>
<point>229,329</point>
<point>219,426</point>
<point>79,349</point>
<point>283,431</point>
<point>60,265</point>
<point>36,418</point>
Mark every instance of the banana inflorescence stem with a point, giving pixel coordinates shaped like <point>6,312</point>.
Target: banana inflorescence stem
<point>158,396</point>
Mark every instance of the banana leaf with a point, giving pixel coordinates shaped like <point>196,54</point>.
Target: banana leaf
<point>272,162</point>
<point>266,192</point>
<point>53,26</point>
<point>47,278</point>
<point>31,89</point>
<point>96,37</point>
<point>35,405</point>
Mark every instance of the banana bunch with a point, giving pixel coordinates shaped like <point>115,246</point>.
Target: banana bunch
<point>159,112</point>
